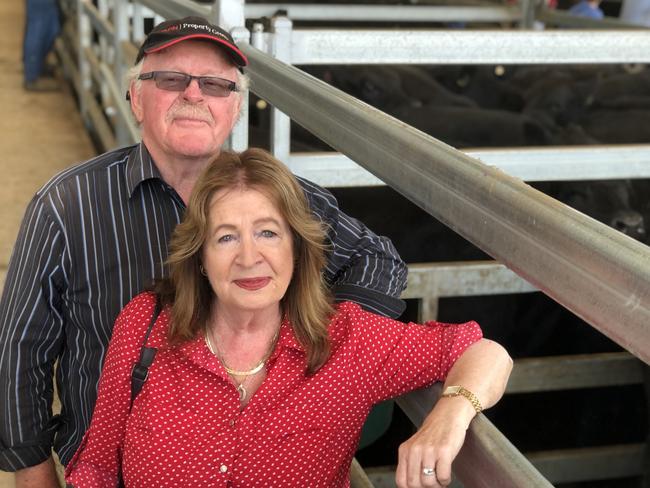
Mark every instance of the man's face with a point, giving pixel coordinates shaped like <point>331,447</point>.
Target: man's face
<point>187,124</point>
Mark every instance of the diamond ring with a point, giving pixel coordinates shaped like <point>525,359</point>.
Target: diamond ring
<point>428,471</point>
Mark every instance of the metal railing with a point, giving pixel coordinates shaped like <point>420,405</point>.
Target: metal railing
<point>594,271</point>
<point>605,275</point>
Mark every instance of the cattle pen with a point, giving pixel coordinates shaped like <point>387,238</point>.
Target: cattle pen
<point>536,242</point>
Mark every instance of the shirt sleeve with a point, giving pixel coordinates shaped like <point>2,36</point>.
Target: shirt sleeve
<point>97,461</point>
<point>362,267</point>
<point>394,358</point>
<point>31,336</point>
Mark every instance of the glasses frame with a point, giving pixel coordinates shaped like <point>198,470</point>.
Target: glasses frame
<point>230,86</point>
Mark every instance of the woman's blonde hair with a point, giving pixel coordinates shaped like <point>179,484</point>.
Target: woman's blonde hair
<point>307,302</point>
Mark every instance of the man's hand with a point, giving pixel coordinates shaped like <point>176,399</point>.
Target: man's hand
<point>40,476</point>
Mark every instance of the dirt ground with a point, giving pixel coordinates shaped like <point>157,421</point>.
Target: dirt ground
<point>40,134</point>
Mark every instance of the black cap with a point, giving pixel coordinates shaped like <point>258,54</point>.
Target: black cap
<point>170,32</point>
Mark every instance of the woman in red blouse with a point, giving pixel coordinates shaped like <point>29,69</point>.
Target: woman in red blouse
<point>259,379</point>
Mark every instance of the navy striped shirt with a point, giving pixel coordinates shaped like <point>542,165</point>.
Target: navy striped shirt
<point>91,239</point>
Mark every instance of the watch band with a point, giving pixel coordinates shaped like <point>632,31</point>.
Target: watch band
<point>457,390</point>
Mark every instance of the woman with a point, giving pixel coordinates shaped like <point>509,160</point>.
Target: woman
<point>259,380</point>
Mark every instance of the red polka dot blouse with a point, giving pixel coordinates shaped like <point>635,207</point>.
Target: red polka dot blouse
<point>186,428</point>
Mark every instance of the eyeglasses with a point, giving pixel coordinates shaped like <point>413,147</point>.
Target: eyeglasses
<point>175,81</point>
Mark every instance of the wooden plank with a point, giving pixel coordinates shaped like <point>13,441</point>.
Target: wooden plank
<point>576,371</point>
<point>590,463</point>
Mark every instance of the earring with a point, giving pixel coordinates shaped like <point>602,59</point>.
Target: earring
<point>202,270</point>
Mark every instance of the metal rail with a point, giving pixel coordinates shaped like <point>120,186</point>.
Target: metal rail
<point>387,13</point>
<point>557,163</point>
<point>343,46</point>
<point>594,271</point>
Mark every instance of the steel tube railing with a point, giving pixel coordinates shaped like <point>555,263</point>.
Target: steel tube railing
<point>419,46</point>
<point>592,270</point>
<point>558,163</point>
<point>387,13</point>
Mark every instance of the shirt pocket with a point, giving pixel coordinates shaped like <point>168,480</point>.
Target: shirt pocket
<point>283,423</point>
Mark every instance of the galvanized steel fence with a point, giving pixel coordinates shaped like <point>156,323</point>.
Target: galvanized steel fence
<point>599,274</point>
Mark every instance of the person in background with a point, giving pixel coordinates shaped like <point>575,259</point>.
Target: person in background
<point>259,379</point>
<point>587,8</point>
<point>96,235</point>
<point>42,26</point>
<point>636,12</point>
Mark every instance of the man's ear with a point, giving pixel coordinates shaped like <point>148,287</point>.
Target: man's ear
<point>136,102</point>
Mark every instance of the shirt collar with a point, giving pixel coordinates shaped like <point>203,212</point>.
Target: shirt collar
<point>287,339</point>
<point>140,167</point>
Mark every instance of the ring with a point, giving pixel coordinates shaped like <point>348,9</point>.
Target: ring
<point>428,471</point>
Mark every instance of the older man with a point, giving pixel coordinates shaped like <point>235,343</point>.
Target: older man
<point>96,235</point>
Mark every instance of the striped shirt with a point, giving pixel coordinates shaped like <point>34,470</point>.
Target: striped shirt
<point>94,237</point>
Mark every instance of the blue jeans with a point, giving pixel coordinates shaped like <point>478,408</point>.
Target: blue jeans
<point>42,25</point>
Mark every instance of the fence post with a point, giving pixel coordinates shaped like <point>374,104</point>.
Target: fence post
<point>229,14</point>
<point>83,42</point>
<point>121,22</point>
<point>281,28</point>
<point>527,13</point>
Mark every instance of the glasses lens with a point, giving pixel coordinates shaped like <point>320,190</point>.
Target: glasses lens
<point>168,80</point>
<point>216,87</point>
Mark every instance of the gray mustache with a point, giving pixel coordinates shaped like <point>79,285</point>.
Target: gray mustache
<point>196,112</point>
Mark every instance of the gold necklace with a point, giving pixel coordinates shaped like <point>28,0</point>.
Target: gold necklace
<point>233,372</point>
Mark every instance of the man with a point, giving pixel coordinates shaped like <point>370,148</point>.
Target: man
<point>588,8</point>
<point>42,26</point>
<point>96,235</point>
<point>636,12</point>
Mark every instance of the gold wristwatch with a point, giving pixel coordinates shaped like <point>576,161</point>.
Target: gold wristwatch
<point>456,390</point>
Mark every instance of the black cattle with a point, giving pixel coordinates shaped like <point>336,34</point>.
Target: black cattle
<point>475,127</point>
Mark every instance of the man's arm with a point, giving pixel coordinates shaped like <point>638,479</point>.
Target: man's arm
<point>40,476</point>
<point>30,340</point>
<point>362,267</point>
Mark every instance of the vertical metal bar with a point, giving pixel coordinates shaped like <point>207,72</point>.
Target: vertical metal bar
<point>137,28</point>
<point>527,14</point>
<point>238,139</point>
<point>228,14</point>
<point>104,51</point>
<point>428,308</point>
<point>121,24</point>
<point>280,122</point>
<point>83,42</point>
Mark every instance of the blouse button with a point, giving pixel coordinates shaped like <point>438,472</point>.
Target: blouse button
<point>223,468</point>
<point>231,422</point>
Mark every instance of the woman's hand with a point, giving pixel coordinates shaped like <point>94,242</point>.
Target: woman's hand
<point>425,459</point>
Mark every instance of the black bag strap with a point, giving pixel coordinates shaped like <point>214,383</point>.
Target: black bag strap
<point>140,369</point>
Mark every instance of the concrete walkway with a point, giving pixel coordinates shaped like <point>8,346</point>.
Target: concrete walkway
<point>40,134</point>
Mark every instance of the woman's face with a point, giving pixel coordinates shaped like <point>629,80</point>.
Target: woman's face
<point>248,252</point>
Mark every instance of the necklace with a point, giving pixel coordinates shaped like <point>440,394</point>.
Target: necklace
<point>233,372</point>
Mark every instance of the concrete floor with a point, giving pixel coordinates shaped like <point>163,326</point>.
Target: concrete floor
<point>40,134</point>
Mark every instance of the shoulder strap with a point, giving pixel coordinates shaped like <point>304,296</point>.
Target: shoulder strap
<point>140,369</point>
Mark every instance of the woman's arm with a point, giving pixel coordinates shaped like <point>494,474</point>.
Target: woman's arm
<point>483,369</point>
